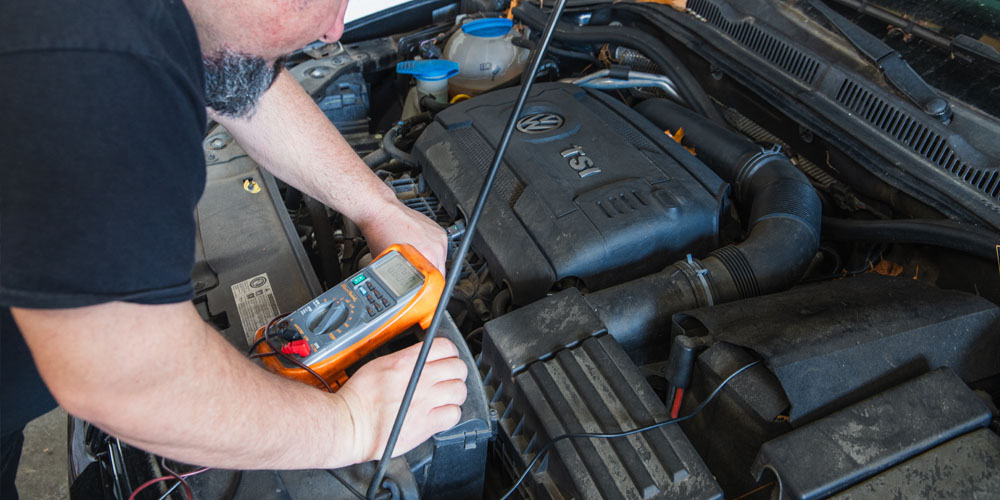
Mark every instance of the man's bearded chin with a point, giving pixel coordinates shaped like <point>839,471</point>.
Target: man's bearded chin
<point>235,81</point>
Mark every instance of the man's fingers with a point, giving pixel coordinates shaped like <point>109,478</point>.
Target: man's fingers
<point>439,263</point>
<point>445,417</point>
<point>444,393</point>
<point>438,255</point>
<point>439,419</point>
<point>440,349</point>
<point>400,224</point>
<point>448,392</point>
<point>443,369</point>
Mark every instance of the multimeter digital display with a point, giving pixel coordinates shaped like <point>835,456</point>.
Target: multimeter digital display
<point>398,289</point>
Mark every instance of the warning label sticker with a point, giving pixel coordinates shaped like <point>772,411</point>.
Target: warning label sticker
<point>255,303</point>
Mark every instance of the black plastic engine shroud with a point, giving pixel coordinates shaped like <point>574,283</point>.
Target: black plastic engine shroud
<point>589,189</point>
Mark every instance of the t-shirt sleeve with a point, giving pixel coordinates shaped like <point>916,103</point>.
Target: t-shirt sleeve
<point>101,168</point>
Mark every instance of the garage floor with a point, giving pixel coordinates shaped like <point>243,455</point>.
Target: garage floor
<point>43,473</point>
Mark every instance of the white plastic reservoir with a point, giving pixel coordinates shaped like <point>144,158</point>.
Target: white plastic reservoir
<point>485,55</point>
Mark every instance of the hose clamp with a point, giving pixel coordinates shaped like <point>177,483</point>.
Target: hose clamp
<point>753,164</point>
<point>698,275</point>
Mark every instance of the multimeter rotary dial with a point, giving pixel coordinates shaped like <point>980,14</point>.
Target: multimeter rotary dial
<point>329,316</point>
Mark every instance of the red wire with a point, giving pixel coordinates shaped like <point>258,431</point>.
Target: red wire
<point>164,478</point>
<point>286,357</point>
<point>183,482</point>
<point>676,407</point>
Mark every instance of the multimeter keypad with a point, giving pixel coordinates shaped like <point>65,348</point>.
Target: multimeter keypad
<point>378,299</point>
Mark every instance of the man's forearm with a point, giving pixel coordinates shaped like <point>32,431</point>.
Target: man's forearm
<point>290,136</point>
<point>190,396</point>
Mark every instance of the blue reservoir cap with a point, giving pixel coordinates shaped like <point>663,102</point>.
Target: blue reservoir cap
<point>428,70</point>
<point>488,28</point>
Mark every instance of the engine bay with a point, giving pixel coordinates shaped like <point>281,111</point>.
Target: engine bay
<point>557,214</point>
<point>688,196</point>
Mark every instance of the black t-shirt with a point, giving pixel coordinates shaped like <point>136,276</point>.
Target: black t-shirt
<point>101,120</point>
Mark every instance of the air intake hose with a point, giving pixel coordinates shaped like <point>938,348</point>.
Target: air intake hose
<point>783,234</point>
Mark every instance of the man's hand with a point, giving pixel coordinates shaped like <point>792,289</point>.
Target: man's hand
<point>398,223</point>
<point>374,393</point>
<point>294,140</point>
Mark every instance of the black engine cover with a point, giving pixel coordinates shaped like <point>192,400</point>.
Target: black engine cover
<point>589,189</point>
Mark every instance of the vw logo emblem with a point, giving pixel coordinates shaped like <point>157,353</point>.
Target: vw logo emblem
<point>539,122</point>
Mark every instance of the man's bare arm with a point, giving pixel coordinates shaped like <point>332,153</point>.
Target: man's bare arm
<point>290,136</point>
<point>159,378</point>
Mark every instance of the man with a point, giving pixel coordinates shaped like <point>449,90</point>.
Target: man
<point>102,112</point>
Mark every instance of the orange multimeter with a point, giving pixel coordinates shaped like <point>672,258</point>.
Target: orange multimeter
<point>399,289</point>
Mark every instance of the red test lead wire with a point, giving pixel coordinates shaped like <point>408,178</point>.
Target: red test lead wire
<point>164,478</point>
<point>676,407</point>
<point>300,347</point>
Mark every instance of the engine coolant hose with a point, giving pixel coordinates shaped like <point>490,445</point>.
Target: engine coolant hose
<point>376,158</point>
<point>431,104</point>
<point>389,150</point>
<point>783,234</point>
